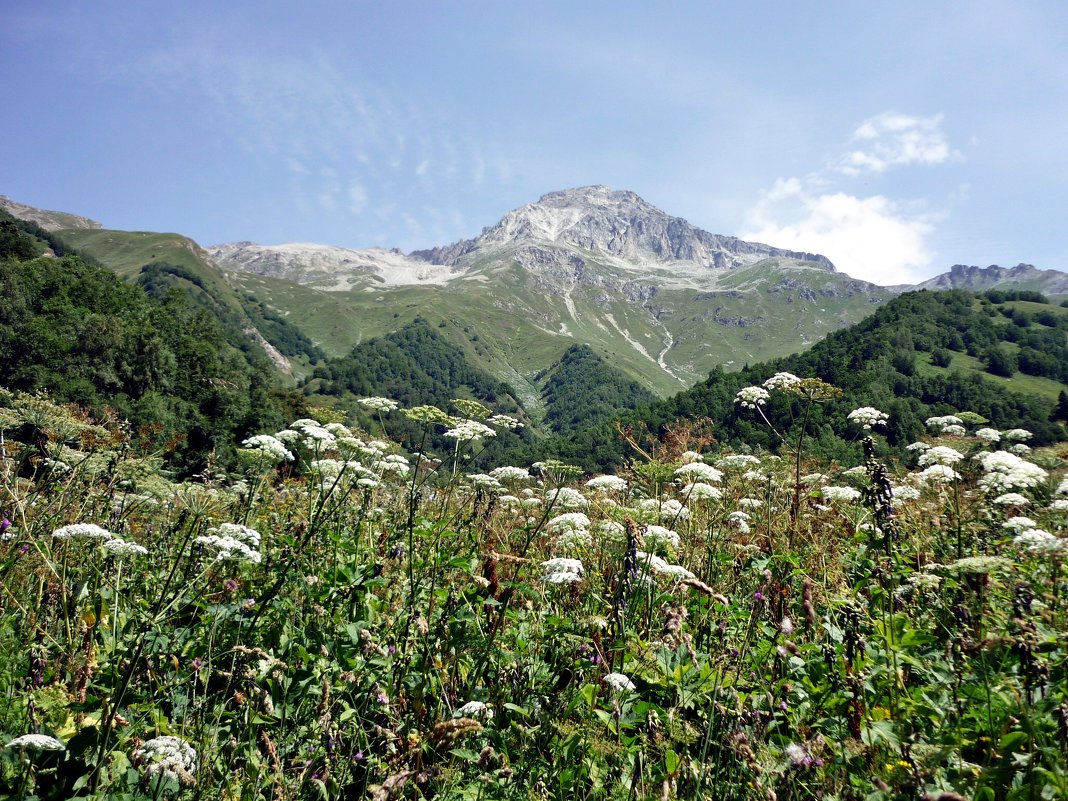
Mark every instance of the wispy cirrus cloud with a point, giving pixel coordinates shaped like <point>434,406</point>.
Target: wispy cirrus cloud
<point>343,146</point>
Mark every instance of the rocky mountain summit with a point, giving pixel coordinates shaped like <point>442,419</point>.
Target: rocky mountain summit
<point>617,224</point>
<point>591,235</point>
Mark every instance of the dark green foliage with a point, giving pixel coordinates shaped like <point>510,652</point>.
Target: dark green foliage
<point>22,239</point>
<point>1060,413</point>
<point>78,332</point>
<point>941,357</point>
<point>999,361</point>
<point>13,242</point>
<point>415,366</point>
<point>1000,296</point>
<point>582,389</point>
<point>866,362</point>
<point>276,329</point>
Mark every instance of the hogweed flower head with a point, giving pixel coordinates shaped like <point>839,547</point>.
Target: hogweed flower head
<point>1006,471</point>
<point>562,570</point>
<point>940,454</point>
<point>36,742</point>
<point>426,414</point>
<point>694,471</point>
<point>469,431</point>
<point>607,484</point>
<point>376,404</point>
<point>474,709</point>
<point>939,424</point>
<point>122,548</point>
<point>840,494</point>
<point>619,682</point>
<point>1037,540</point>
<point>268,448</point>
<point>82,531</point>
<point>751,397</point>
<point>170,757</point>
<point>781,381</point>
<point>867,416</point>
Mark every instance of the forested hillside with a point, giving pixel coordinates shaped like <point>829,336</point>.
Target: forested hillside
<point>582,389</point>
<point>159,361</point>
<point>922,354</point>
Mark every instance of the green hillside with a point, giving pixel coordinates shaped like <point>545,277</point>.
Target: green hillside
<point>162,363</point>
<point>885,362</point>
<point>160,262</point>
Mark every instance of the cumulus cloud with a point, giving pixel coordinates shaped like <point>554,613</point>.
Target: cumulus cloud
<point>871,238</point>
<point>894,140</point>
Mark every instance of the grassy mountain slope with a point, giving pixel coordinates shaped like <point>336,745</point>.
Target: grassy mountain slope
<point>515,323</point>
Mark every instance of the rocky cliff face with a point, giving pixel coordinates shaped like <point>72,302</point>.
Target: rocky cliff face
<point>1022,276</point>
<point>620,225</point>
<point>49,220</point>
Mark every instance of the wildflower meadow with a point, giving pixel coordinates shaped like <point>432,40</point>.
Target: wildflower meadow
<point>339,617</point>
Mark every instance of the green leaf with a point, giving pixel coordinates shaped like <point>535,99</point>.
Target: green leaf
<point>672,761</point>
<point>1011,740</point>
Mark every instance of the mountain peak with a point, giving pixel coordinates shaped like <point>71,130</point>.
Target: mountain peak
<point>612,224</point>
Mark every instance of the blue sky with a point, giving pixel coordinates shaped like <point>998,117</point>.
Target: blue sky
<point>897,138</point>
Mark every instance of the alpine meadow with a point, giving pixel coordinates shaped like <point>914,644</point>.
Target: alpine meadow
<point>557,401</point>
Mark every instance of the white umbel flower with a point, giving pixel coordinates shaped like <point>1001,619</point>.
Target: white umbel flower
<point>937,474</point>
<point>170,757</point>
<point>699,471</point>
<point>1006,471</point>
<point>562,570</point>
<point>82,531</point>
<point>751,397</point>
<point>469,431</point>
<point>1037,540</point>
<point>568,521</point>
<point>940,424</point>
<point>840,495</point>
<point>940,454</point>
<point>607,484</point>
<point>268,448</point>
<point>781,381</point>
<point>37,742</point>
<point>867,416</point>
<point>619,682</point>
<point>121,548</point>
<point>656,536</point>
<point>474,709</point>
<point>378,404</point>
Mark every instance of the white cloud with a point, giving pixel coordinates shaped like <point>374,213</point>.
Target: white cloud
<point>357,198</point>
<point>873,237</point>
<point>870,238</point>
<point>895,140</point>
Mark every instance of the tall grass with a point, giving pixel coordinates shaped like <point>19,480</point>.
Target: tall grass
<point>339,619</point>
